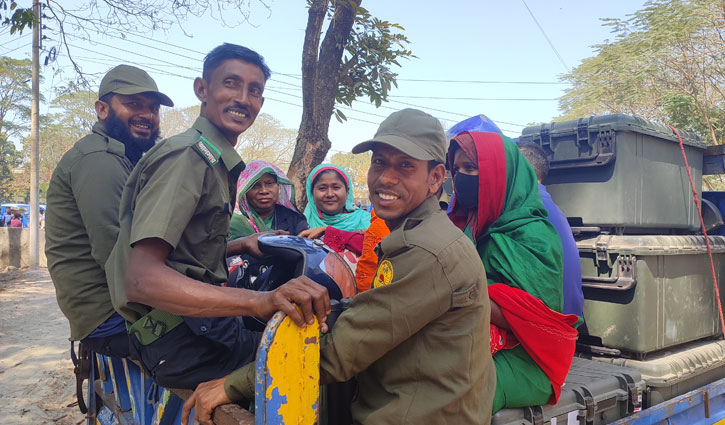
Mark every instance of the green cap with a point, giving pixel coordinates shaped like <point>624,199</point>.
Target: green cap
<point>127,79</point>
<point>412,132</point>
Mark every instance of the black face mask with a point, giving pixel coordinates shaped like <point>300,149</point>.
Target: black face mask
<point>466,190</point>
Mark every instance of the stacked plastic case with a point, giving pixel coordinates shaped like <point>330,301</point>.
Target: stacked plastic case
<point>594,393</point>
<point>650,302</point>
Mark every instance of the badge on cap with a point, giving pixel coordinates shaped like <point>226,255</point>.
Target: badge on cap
<point>384,275</point>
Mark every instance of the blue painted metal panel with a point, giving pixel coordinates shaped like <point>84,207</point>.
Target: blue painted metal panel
<point>139,385</point>
<point>703,406</point>
<point>260,384</point>
<point>120,387</point>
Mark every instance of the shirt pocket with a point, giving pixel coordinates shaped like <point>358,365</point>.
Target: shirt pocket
<point>215,243</point>
<point>219,223</point>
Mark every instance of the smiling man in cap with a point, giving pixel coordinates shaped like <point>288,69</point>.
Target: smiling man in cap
<point>167,272</point>
<point>418,341</point>
<point>83,201</point>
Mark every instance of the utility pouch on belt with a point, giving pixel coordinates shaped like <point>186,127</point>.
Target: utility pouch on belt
<point>154,325</point>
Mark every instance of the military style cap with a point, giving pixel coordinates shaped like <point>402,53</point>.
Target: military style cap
<point>126,79</point>
<point>412,132</point>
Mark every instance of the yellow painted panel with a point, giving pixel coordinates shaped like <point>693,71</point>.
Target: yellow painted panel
<point>293,363</point>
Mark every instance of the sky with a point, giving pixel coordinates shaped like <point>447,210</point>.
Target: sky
<point>472,57</point>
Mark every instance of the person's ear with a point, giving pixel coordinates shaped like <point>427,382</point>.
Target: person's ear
<point>201,89</point>
<point>436,177</point>
<point>103,110</point>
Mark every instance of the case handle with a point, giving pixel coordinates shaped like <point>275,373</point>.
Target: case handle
<point>624,281</point>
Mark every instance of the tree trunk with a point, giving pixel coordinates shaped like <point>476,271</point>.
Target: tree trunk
<point>320,78</point>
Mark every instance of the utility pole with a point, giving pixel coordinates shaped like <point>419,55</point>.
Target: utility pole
<point>35,141</point>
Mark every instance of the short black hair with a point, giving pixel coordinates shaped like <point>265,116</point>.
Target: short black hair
<point>227,51</point>
<point>537,157</point>
<point>107,97</point>
<point>432,164</point>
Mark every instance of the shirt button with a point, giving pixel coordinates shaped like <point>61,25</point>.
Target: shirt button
<point>472,295</point>
<point>203,328</point>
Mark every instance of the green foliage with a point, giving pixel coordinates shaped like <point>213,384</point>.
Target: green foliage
<point>268,140</point>
<point>667,63</point>
<point>15,96</point>
<point>178,120</point>
<point>74,108</point>
<point>9,157</point>
<point>373,47</point>
<point>17,18</point>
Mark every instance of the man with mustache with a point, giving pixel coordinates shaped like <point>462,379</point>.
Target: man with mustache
<point>418,340</point>
<point>83,201</point>
<point>167,271</point>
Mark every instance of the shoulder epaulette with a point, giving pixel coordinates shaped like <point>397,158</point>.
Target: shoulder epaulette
<point>207,151</point>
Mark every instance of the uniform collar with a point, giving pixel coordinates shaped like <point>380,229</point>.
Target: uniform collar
<point>114,146</point>
<point>211,133</point>
<point>396,239</point>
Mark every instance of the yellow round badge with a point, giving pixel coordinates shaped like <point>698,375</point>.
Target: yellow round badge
<point>384,275</point>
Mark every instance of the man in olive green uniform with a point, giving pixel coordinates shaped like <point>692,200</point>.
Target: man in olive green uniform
<point>83,200</point>
<point>167,271</point>
<point>418,342</point>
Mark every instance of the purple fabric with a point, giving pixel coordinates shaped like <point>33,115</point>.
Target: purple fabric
<point>573,296</point>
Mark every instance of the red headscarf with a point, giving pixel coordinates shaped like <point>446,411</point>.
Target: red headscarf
<point>491,180</point>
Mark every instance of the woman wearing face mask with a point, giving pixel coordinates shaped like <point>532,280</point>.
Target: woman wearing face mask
<point>497,204</point>
<point>330,211</point>
<point>265,202</point>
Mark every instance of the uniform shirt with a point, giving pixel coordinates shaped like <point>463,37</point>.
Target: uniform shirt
<point>182,192</point>
<point>81,227</point>
<point>418,342</point>
<point>573,294</point>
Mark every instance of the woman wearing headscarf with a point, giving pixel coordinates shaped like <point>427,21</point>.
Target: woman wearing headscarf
<point>497,204</point>
<point>330,210</point>
<point>265,202</point>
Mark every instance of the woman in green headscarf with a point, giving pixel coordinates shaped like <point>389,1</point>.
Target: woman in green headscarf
<point>330,211</point>
<point>497,204</point>
<point>330,200</point>
<point>265,201</point>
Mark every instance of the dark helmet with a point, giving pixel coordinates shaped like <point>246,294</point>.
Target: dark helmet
<point>287,257</point>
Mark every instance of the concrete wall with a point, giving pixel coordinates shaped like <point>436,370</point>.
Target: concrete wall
<point>15,248</point>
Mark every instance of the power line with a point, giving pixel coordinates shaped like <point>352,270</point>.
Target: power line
<point>18,48</point>
<point>421,80</point>
<point>474,98</point>
<point>480,81</point>
<point>295,86</point>
<point>134,53</point>
<point>272,89</point>
<point>447,112</point>
<point>192,78</point>
<point>546,37</point>
<point>14,39</point>
<point>299,77</point>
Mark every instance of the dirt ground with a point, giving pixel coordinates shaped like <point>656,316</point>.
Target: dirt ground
<point>37,385</point>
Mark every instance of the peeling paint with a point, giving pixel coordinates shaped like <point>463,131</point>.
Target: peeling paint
<point>288,385</point>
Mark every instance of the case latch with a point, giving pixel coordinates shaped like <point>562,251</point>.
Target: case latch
<point>582,135</point>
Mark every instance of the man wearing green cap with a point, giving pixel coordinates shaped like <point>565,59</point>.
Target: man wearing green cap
<point>83,201</point>
<point>418,341</point>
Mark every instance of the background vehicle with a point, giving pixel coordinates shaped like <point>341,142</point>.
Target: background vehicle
<point>23,209</point>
